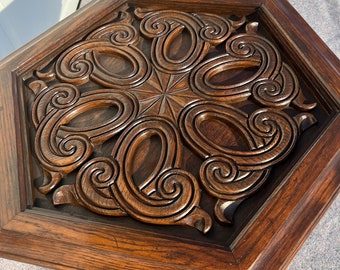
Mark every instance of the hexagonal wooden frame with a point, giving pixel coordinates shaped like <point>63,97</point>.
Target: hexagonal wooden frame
<point>271,238</point>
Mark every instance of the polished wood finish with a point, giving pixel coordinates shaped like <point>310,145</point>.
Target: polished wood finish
<point>126,125</point>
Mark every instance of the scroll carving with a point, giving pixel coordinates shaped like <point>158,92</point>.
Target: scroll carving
<point>117,108</point>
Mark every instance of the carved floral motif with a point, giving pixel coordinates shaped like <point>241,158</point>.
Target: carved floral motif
<point>155,74</point>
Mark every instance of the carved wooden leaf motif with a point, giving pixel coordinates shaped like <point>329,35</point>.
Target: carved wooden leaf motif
<point>153,83</point>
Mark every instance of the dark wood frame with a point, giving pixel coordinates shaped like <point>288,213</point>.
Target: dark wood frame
<point>269,241</point>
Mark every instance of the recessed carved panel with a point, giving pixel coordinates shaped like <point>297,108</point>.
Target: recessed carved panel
<point>121,113</point>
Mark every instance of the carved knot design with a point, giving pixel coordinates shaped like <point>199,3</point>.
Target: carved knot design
<point>151,88</point>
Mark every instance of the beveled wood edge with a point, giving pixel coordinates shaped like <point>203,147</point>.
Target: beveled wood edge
<point>255,260</point>
<point>9,186</point>
<point>238,7</point>
<point>68,232</point>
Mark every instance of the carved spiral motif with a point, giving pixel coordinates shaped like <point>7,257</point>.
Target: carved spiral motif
<point>72,67</point>
<point>172,183</point>
<point>278,92</point>
<point>53,98</point>
<point>266,89</point>
<point>93,184</point>
<point>101,173</point>
<point>223,169</point>
<point>60,155</point>
<point>281,132</point>
<point>216,29</point>
<point>245,46</point>
<point>222,178</point>
<point>118,34</point>
<point>152,25</point>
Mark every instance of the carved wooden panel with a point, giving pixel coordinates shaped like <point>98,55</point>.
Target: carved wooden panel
<point>153,115</point>
<point>119,107</point>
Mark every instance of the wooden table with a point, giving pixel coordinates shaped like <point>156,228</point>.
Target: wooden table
<point>176,135</point>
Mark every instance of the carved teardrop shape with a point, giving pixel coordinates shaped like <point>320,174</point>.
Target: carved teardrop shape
<point>192,120</point>
<point>146,158</point>
<point>177,40</point>
<point>223,133</point>
<point>123,109</point>
<point>100,114</point>
<point>214,78</point>
<point>233,76</point>
<point>117,64</point>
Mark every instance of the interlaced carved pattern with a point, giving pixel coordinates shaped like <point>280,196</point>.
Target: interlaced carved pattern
<point>155,73</point>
